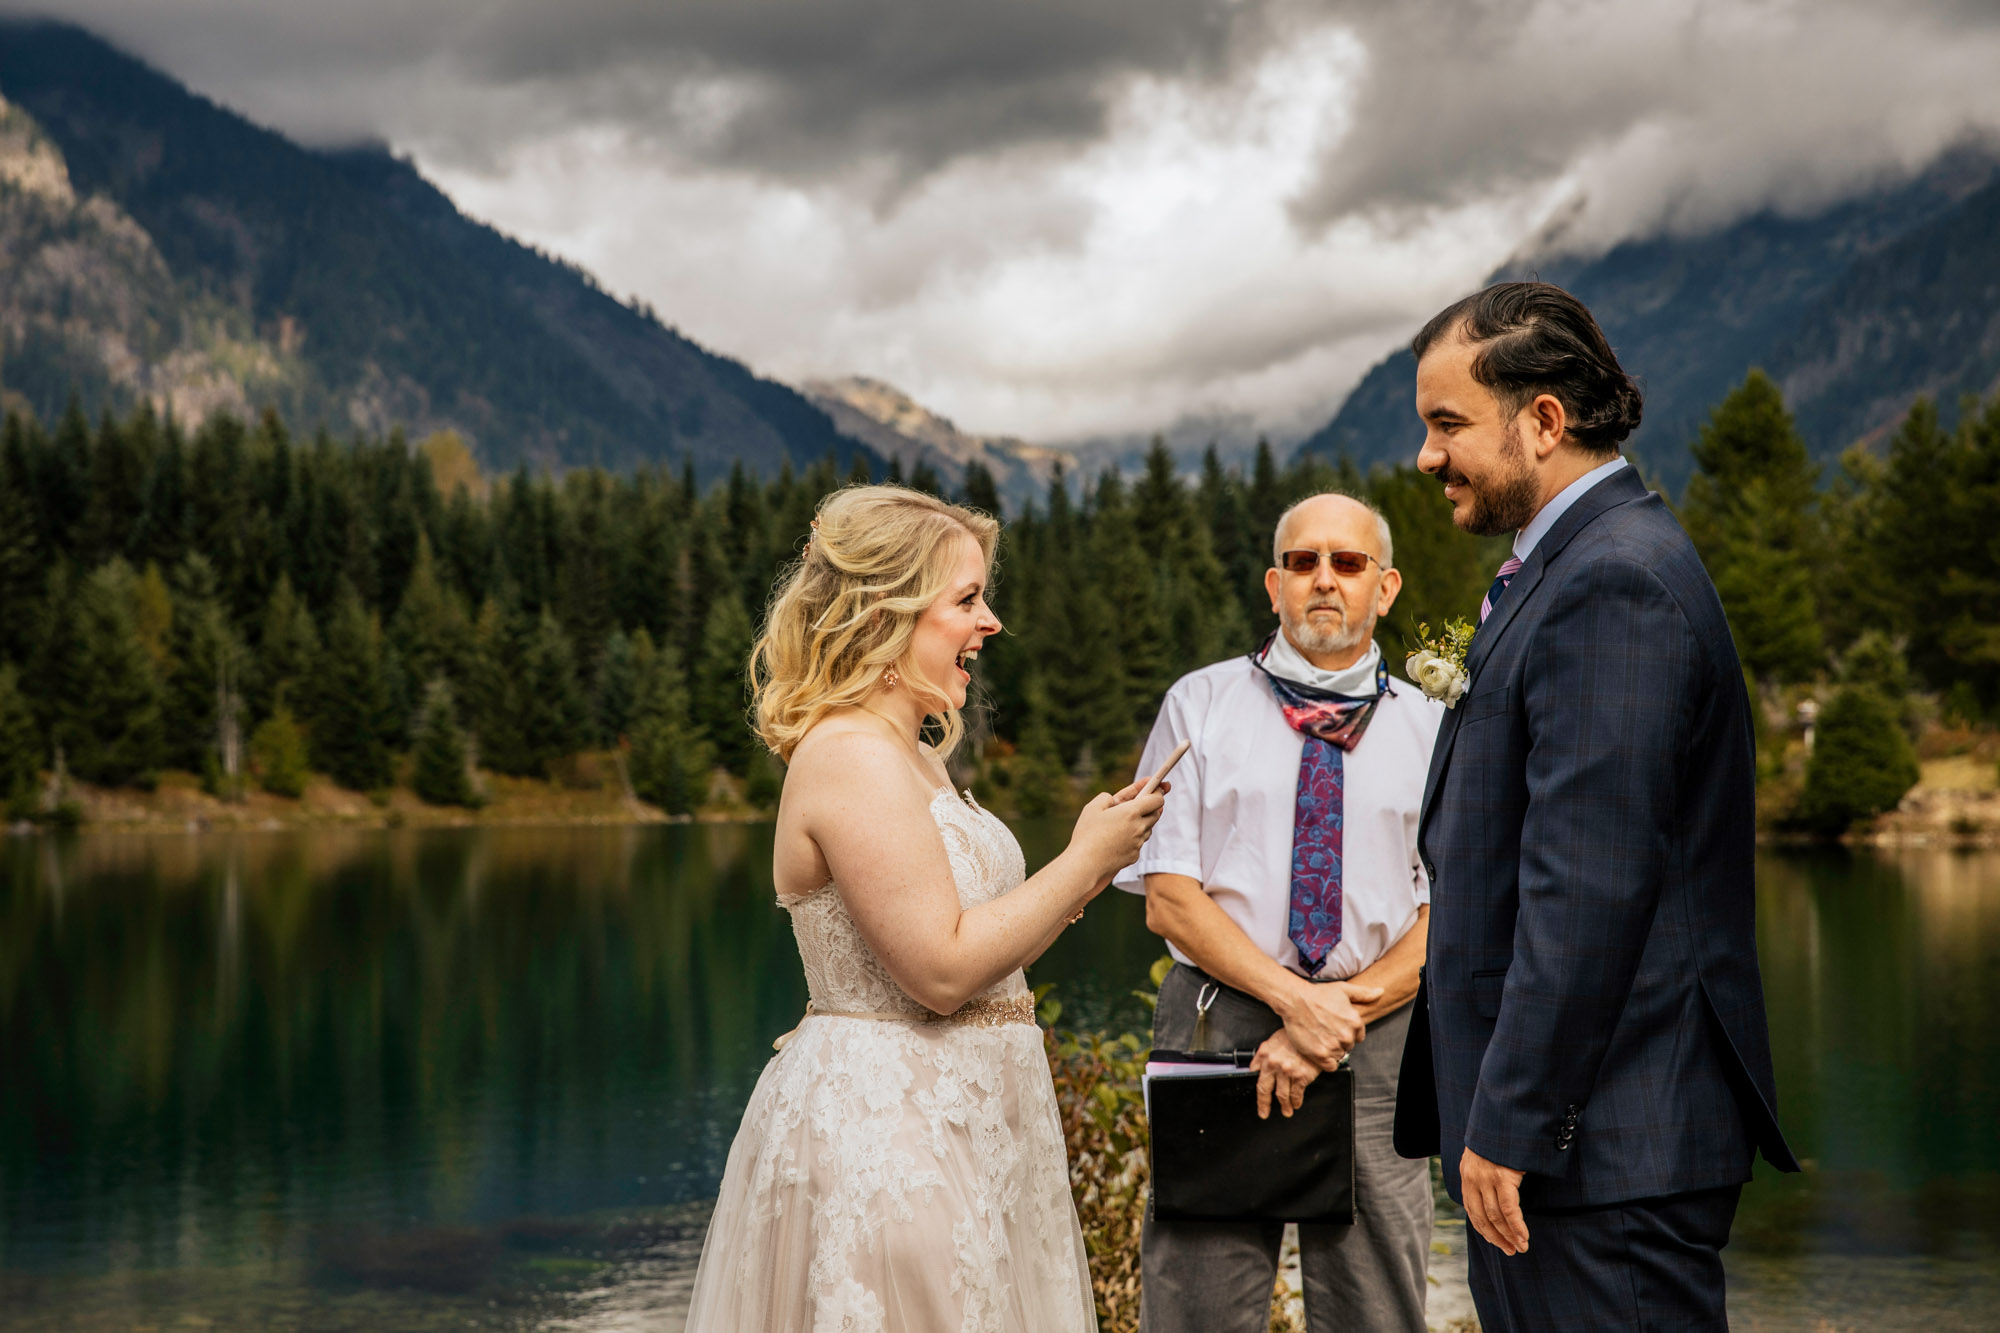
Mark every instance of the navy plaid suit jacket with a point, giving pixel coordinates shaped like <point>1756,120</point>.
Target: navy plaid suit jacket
<point>1595,1013</point>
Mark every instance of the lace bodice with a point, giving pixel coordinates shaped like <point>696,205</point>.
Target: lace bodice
<point>842,972</point>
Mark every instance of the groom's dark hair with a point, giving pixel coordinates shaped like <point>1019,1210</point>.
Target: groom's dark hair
<point>1535,338</point>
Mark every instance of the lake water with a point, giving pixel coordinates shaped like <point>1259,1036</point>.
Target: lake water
<point>414,1080</point>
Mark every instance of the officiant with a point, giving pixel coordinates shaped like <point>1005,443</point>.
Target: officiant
<point>1285,877</point>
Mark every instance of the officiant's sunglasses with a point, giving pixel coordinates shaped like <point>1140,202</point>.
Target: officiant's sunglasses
<point>1349,563</point>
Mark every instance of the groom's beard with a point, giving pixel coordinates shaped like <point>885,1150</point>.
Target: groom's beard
<point>1327,641</point>
<point>1504,503</point>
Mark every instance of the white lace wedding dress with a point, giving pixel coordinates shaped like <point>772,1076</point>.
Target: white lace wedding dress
<point>899,1174</point>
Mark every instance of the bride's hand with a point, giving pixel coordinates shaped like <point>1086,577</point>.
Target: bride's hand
<point>1112,829</point>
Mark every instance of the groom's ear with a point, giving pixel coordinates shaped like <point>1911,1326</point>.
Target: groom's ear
<point>1546,423</point>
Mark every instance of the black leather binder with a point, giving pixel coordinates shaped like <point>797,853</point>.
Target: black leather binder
<point>1213,1159</point>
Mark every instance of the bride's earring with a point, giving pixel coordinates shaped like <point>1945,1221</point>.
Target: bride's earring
<point>889,678</point>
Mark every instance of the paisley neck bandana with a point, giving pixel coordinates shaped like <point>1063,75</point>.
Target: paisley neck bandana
<point>1332,725</point>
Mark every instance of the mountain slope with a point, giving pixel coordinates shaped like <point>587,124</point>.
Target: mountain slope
<point>1921,315</point>
<point>1690,316</point>
<point>896,426</point>
<point>341,286</point>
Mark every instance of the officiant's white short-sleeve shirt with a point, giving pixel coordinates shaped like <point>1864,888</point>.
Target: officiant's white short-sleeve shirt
<point>1228,820</point>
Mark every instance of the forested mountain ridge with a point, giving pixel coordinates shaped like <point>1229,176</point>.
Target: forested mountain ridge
<point>160,247</point>
<point>1855,311</point>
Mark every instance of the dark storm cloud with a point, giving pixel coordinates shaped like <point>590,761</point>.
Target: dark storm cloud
<point>1724,107</point>
<point>794,88</point>
<point>911,81</point>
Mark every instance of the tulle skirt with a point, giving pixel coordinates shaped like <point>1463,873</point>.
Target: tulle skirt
<point>897,1178</point>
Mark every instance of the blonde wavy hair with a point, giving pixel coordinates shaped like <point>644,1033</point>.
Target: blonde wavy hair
<point>846,611</point>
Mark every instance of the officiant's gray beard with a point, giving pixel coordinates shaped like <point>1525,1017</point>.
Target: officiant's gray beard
<point>1327,642</point>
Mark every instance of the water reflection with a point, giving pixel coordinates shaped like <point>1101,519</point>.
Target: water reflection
<point>272,1068</point>
<point>1882,975</point>
<point>206,1044</point>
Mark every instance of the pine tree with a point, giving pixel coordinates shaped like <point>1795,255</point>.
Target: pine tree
<point>1955,611</point>
<point>219,500</point>
<point>1125,677</point>
<point>114,492</point>
<point>1750,511</point>
<point>668,759</point>
<point>21,573</point>
<point>442,769</point>
<point>288,646</point>
<point>615,687</point>
<point>432,630</point>
<point>1226,514</point>
<point>159,534</point>
<point>1858,588</point>
<point>493,703</point>
<point>1267,493</point>
<point>20,747</point>
<point>204,711</point>
<point>519,532</point>
<point>721,698</point>
<point>401,700</point>
<point>110,726</point>
<point>980,492</point>
<point>588,570</point>
<point>59,482</point>
<point>554,714</point>
<point>153,618</point>
<point>648,557</point>
<point>1041,783</point>
<point>347,706</point>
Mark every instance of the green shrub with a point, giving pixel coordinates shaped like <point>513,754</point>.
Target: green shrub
<point>1876,663</point>
<point>1862,762</point>
<point>278,753</point>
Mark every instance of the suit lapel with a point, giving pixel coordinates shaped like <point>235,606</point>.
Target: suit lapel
<point>1519,589</point>
<point>1621,487</point>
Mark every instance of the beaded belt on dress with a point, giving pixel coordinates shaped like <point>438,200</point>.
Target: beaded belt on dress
<point>973,1013</point>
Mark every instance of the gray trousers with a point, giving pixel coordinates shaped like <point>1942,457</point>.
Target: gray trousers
<point>1216,1277</point>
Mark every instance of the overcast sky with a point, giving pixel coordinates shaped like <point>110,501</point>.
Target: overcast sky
<point>1095,216</point>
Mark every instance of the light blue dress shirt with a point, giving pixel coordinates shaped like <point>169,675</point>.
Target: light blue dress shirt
<point>1538,527</point>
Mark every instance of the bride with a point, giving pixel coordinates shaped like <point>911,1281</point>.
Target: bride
<point>900,1165</point>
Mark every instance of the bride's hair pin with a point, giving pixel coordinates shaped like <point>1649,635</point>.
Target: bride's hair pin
<point>810,538</point>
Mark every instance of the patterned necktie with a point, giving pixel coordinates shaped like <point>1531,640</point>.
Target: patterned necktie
<point>1508,568</point>
<point>1333,725</point>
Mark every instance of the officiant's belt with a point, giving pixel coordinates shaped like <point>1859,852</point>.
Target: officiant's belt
<point>973,1013</point>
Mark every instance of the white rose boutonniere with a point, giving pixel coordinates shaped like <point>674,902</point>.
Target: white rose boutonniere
<point>1438,668</point>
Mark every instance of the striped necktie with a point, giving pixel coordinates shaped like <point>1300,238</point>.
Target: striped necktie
<point>1508,569</point>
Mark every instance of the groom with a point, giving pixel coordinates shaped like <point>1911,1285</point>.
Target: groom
<point>1596,1023</point>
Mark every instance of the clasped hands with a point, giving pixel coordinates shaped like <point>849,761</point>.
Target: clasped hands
<point>1323,1022</point>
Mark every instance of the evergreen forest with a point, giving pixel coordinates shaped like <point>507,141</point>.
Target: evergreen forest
<point>254,608</point>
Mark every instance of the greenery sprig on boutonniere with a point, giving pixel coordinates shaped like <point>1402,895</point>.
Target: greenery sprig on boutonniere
<point>1438,668</point>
